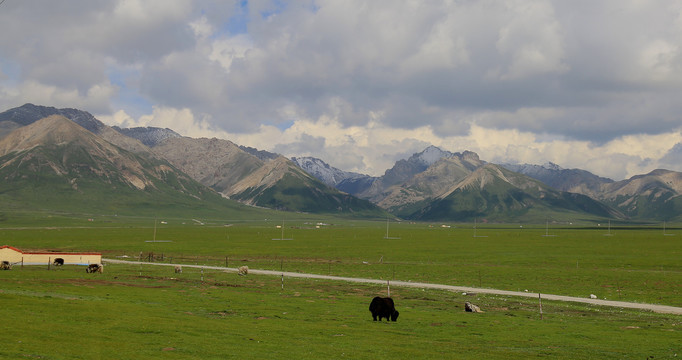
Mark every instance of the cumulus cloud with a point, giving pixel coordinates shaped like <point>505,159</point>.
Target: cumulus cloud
<point>359,84</point>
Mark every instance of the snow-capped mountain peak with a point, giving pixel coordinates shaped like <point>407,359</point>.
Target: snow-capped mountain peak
<point>430,155</point>
<point>323,171</point>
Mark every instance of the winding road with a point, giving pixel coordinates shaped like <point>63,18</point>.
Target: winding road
<point>663,309</point>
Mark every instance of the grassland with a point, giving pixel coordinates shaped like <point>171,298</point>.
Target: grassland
<point>149,312</point>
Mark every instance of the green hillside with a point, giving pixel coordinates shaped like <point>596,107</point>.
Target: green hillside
<point>663,205</point>
<point>501,200</point>
<point>308,195</point>
<point>78,187</point>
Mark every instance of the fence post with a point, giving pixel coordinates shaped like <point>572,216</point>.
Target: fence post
<point>540,299</point>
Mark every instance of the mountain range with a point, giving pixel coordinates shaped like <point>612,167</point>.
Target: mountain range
<point>159,166</point>
<point>56,164</point>
<point>64,157</point>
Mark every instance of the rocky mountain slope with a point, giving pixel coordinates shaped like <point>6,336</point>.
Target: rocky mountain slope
<point>28,114</point>
<point>261,154</point>
<point>656,195</point>
<point>402,171</point>
<point>273,183</point>
<point>218,164</point>
<point>368,187</point>
<point>432,184</point>
<point>82,152</point>
<point>324,172</point>
<point>492,192</point>
<point>571,180</point>
<point>440,185</point>
<point>281,184</point>
<point>54,163</point>
<point>150,136</point>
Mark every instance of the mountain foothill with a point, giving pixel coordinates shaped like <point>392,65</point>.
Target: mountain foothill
<point>67,160</point>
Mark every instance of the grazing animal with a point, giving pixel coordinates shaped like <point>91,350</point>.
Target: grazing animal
<point>243,270</point>
<point>469,307</point>
<point>58,262</point>
<point>593,296</point>
<point>178,269</point>
<point>383,308</point>
<point>6,265</point>
<point>93,268</point>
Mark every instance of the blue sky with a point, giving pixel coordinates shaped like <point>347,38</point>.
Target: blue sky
<point>361,84</point>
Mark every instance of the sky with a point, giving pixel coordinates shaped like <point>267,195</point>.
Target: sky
<point>595,85</point>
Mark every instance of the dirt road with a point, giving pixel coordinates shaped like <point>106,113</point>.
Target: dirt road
<point>664,309</point>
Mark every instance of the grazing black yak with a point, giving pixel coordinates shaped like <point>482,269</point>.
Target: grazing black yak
<point>58,262</point>
<point>93,268</point>
<point>383,308</point>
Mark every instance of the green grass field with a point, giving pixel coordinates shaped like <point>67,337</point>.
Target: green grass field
<point>133,311</point>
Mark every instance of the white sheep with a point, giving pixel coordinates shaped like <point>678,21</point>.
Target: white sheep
<point>243,270</point>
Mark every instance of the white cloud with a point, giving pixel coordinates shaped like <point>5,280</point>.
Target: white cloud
<point>580,83</point>
<point>96,97</point>
<point>227,50</point>
<point>182,121</point>
<point>530,40</point>
<point>661,60</point>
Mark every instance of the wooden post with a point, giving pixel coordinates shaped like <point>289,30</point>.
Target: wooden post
<point>226,261</point>
<point>49,260</point>
<point>540,299</point>
<point>388,288</point>
<point>22,262</point>
<point>202,274</point>
<point>618,290</point>
<point>282,281</point>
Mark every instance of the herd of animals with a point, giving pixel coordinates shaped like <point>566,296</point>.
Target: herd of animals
<point>380,307</point>
<point>92,268</point>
